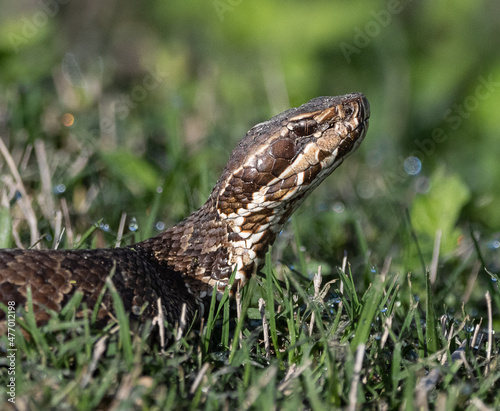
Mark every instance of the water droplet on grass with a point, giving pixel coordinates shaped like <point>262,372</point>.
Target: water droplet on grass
<point>338,207</point>
<point>133,226</point>
<point>495,244</point>
<point>412,165</point>
<point>59,189</point>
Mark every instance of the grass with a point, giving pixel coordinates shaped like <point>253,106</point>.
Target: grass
<point>91,160</point>
<point>400,325</point>
<point>313,345</point>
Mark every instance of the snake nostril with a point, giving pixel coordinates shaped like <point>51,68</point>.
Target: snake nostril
<point>348,110</point>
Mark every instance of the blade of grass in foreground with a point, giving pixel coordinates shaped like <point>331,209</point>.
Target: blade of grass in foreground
<point>123,321</point>
<point>431,331</point>
<point>5,228</point>
<point>370,308</point>
<point>298,244</point>
<point>214,312</point>
<point>491,284</point>
<point>418,322</point>
<point>87,234</point>
<point>349,297</point>
<point>210,322</point>
<point>244,307</point>
<point>226,321</point>
<point>270,303</point>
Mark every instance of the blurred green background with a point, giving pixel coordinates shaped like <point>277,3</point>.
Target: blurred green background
<point>139,104</point>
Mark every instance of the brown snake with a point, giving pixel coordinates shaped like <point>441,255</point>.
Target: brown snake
<point>270,172</point>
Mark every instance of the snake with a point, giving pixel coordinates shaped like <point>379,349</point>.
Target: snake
<point>276,165</point>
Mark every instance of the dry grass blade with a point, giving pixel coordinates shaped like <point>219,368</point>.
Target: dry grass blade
<point>471,281</point>
<point>24,201</point>
<point>99,349</point>
<point>387,327</point>
<point>67,223</point>
<point>476,333</point>
<point>45,199</point>
<point>490,333</point>
<point>129,381</point>
<point>121,227</point>
<point>265,327</point>
<point>199,377</point>
<point>182,323</point>
<point>425,385</point>
<point>317,286</point>
<point>263,381</point>
<point>58,230</point>
<point>160,320</point>
<point>292,374</point>
<point>358,365</point>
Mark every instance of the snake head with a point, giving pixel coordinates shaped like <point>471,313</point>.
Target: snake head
<point>278,163</point>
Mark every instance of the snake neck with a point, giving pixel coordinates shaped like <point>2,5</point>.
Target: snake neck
<point>206,249</point>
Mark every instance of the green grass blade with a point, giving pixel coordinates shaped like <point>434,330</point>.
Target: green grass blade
<point>210,321</point>
<point>269,294</point>
<point>249,289</point>
<point>369,311</point>
<point>123,321</point>
<point>87,234</point>
<point>396,369</point>
<point>432,340</point>
<point>415,240</point>
<point>298,245</point>
<point>5,228</point>
<point>226,321</point>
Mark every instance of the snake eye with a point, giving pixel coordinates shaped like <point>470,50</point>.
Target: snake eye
<point>305,127</point>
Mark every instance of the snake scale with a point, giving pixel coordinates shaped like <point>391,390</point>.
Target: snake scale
<point>269,173</point>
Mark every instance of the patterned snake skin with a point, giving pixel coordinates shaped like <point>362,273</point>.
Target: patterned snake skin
<point>270,172</point>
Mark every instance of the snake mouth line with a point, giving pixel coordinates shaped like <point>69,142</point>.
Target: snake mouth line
<point>363,126</point>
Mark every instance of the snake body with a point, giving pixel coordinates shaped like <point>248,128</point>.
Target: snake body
<point>270,172</point>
